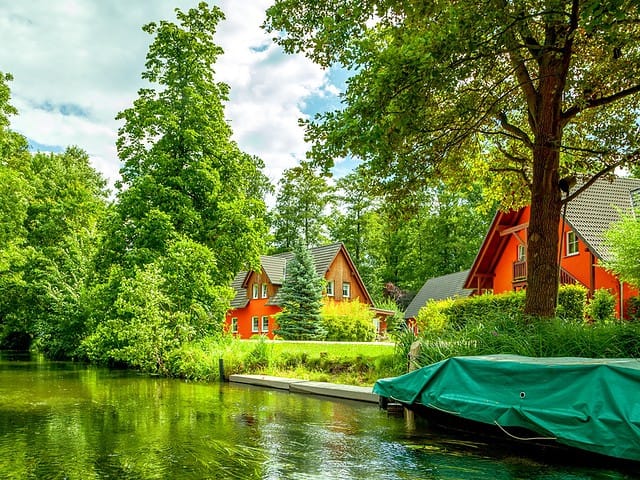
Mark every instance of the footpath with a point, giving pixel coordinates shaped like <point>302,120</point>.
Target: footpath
<point>349,392</point>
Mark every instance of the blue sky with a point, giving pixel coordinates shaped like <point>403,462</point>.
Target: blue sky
<point>77,63</point>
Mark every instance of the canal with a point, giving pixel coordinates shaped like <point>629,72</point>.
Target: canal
<point>61,420</point>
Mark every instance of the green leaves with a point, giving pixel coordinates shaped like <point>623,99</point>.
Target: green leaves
<point>300,299</point>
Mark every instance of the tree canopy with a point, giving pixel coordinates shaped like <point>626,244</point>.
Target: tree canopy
<point>299,214</point>
<point>523,93</point>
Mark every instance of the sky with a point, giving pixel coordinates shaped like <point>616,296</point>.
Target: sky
<point>77,63</point>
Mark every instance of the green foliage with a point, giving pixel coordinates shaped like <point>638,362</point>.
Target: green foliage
<point>58,200</point>
<point>455,314</point>
<point>190,212</point>
<point>300,299</point>
<point>348,321</point>
<point>602,306</point>
<point>300,208</point>
<point>143,329</point>
<point>633,308</point>
<point>623,241</point>
<point>433,317</point>
<point>515,94</point>
<point>544,338</point>
<point>182,175</point>
<point>572,300</point>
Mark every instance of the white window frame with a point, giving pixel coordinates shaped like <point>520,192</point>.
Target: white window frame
<point>255,290</point>
<point>234,325</point>
<point>573,247</point>
<point>346,290</point>
<point>330,288</point>
<point>265,324</point>
<point>522,252</point>
<point>264,290</point>
<point>255,324</point>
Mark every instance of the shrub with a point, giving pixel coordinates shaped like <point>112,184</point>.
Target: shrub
<point>633,308</point>
<point>434,316</point>
<point>571,302</point>
<point>602,306</point>
<point>348,321</point>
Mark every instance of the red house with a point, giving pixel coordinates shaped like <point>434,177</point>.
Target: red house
<point>256,300</point>
<point>501,264</point>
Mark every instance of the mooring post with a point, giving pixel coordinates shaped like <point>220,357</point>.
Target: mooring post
<point>414,352</point>
<point>221,369</point>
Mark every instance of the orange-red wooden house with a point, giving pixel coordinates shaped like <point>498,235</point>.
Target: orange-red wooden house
<point>501,264</point>
<point>256,302</point>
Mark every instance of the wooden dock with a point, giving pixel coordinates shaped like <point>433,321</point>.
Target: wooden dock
<point>349,392</point>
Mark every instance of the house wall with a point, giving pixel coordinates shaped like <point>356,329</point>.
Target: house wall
<point>588,270</point>
<point>255,308</point>
<point>339,272</point>
<point>579,265</point>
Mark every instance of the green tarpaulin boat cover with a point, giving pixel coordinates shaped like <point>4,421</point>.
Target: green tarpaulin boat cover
<point>592,404</point>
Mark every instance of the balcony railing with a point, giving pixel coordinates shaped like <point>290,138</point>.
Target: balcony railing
<point>520,274</point>
<point>519,270</point>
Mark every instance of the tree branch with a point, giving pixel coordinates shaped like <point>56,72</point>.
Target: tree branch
<point>609,168</point>
<point>519,171</point>
<point>519,133</point>
<point>598,102</point>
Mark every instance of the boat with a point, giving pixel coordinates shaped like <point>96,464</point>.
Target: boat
<point>592,405</point>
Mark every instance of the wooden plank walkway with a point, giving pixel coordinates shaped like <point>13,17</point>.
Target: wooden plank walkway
<point>349,392</point>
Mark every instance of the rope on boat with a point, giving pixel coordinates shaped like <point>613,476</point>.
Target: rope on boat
<point>523,438</point>
<point>431,405</point>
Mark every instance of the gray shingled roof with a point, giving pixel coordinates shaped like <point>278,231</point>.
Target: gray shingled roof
<point>275,267</point>
<point>592,212</point>
<point>241,299</point>
<point>439,288</point>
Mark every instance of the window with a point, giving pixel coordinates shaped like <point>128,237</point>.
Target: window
<point>346,289</point>
<point>330,289</point>
<point>572,243</point>
<point>265,324</point>
<point>234,325</point>
<point>255,290</point>
<point>255,324</point>
<point>264,290</point>
<point>522,252</point>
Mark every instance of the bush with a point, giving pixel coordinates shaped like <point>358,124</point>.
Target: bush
<point>348,321</point>
<point>602,306</point>
<point>633,308</point>
<point>571,302</point>
<point>434,316</point>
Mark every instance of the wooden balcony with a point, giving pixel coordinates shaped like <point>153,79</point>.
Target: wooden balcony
<point>520,274</point>
<point>519,271</point>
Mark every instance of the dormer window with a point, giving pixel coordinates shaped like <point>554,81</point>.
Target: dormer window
<point>264,290</point>
<point>255,290</point>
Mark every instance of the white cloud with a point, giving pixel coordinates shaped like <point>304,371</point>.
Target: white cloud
<point>77,63</point>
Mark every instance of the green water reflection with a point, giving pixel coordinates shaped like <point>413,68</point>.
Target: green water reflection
<point>65,421</point>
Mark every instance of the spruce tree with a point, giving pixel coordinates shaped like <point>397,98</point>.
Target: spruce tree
<point>301,299</point>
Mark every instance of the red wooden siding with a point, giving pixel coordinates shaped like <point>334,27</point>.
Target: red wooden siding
<point>503,252</point>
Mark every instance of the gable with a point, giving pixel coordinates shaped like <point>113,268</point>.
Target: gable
<point>604,203</point>
<point>274,267</point>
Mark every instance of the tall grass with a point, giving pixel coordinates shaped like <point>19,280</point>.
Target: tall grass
<point>350,363</point>
<point>538,338</point>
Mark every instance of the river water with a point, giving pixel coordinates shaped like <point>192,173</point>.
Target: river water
<point>61,420</point>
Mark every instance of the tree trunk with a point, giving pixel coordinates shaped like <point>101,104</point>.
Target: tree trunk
<point>542,251</point>
<point>546,199</point>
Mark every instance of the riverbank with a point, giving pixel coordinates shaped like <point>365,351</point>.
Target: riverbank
<point>325,389</point>
<point>348,363</point>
